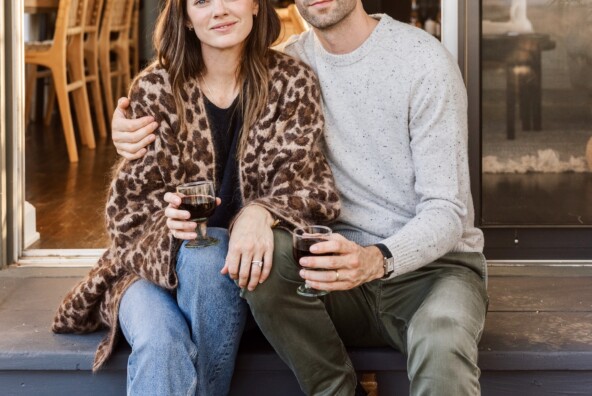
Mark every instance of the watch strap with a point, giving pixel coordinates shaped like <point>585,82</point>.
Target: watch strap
<point>385,251</point>
<point>387,260</point>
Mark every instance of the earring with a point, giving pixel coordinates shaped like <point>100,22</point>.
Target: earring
<point>190,28</point>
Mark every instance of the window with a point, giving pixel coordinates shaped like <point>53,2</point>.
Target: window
<point>534,125</point>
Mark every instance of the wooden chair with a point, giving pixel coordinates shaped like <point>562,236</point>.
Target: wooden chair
<point>91,57</point>
<point>292,23</point>
<point>135,39</point>
<point>114,45</point>
<point>299,23</point>
<point>94,10</point>
<point>63,56</point>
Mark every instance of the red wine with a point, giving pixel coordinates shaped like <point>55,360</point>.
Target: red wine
<point>198,206</point>
<point>302,248</point>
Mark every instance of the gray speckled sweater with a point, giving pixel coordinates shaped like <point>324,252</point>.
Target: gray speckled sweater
<point>396,136</point>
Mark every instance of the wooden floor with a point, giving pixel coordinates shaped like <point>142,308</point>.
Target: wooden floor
<point>69,198</point>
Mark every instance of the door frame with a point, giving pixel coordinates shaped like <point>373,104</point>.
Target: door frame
<point>3,217</point>
<point>15,158</point>
<point>451,24</point>
<point>14,124</point>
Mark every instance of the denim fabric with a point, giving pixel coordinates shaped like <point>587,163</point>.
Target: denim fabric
<point>216,313</point>
<point>162,361</point>
<point>435,315</point>
<point>187,345</point>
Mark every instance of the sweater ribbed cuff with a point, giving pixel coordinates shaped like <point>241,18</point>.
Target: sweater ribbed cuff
<point>406,257</point>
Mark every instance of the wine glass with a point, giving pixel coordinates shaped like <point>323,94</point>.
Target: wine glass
<point>199,199</point>
<point>302,239</point>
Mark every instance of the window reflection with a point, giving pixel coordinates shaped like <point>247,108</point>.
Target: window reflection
<point>536,112</point>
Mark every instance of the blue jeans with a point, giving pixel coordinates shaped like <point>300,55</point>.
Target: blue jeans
<point>187,345</point>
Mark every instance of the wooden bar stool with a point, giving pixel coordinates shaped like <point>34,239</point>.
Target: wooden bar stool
<point>114,50</point>
<point>94,10</point>
<point>292,23</point>
<point>63,56</point>
<point>91,58</point>
<point>135,39</point>
<point>299,23</point>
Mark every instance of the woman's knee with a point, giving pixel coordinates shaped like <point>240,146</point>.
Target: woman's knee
<point>202,262</point>
<point>149,317</point>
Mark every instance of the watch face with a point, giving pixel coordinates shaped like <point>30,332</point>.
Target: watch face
<point>390,264</point>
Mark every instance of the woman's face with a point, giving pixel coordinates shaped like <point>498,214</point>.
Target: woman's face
<point>222,24</point>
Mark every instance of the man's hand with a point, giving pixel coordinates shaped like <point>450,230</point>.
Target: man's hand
<point>250,249</point>
<point>131,136</point>
<point>349,264</point>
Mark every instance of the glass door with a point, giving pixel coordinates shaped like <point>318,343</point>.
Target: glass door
<point>534,125</point>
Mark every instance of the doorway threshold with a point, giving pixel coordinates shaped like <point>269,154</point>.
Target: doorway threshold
<point>63,258</point>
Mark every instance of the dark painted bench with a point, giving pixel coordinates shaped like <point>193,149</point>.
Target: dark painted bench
<point>537,341</point>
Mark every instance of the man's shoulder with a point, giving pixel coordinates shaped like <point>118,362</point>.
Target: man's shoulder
<point>297,43</point>
<point>412,45</point>
<point>400,31</point>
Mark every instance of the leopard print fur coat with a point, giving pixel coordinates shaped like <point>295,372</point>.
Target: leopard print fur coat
<point>282,169</point>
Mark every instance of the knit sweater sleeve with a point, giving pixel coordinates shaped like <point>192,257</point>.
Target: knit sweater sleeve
<point>438,140</point>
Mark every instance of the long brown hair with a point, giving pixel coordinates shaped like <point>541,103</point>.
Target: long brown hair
<point>179,52</point>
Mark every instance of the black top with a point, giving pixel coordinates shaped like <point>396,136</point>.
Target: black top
<point>225,125</point>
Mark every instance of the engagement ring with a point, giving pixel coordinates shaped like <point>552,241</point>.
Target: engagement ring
<point>336,275</point>
<point>257,262</point>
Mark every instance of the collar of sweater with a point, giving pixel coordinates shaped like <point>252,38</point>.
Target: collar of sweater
<point>360,52</point>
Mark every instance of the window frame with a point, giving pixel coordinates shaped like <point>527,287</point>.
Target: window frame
<point>571,244</point>
<point>13,250</point>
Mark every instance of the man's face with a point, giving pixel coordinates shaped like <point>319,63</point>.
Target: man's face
<point>324,14</point>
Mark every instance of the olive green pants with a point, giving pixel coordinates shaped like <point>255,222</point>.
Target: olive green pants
<point>434,315</point>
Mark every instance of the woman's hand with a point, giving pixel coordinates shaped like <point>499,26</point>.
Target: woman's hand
<point>177,220</point>
<point>130,137</point>
<point>250,250</point>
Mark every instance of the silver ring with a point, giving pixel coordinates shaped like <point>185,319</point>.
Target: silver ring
<point>174,233</point>
<point>257,262</point>
<point>336,275</point>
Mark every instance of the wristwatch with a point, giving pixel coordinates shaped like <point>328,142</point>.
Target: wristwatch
<point>388,261</point>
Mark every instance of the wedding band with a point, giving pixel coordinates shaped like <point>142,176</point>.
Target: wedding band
<point>257,262</point>
<point>336,275</point>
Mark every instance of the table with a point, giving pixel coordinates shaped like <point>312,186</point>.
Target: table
<point>520,54</point>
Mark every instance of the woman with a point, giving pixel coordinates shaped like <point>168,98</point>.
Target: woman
<point>232,111</point>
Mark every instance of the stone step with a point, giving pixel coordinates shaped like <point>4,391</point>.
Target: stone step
<point>537,341</point>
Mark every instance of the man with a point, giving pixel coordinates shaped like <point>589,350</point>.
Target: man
<point>404,266</point>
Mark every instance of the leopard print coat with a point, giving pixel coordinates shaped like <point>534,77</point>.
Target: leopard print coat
<point>282,169</point>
